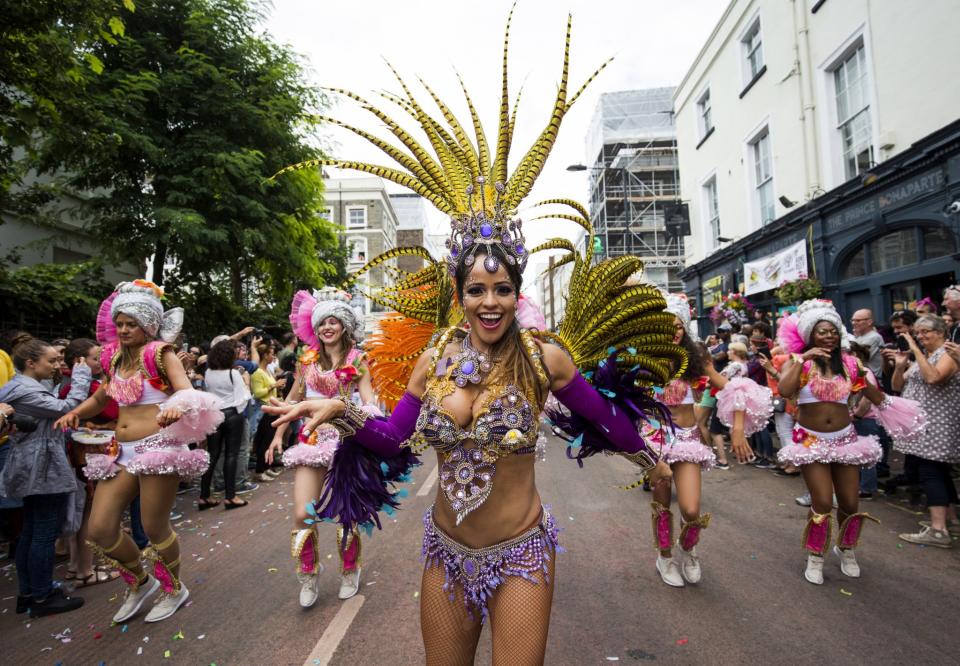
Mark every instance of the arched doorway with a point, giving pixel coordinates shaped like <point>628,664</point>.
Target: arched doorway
<point>890,270</point>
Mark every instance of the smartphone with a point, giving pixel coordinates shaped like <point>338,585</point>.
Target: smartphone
<point>902,344</point>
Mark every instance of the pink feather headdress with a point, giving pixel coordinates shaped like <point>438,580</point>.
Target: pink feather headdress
<point>301,312</point>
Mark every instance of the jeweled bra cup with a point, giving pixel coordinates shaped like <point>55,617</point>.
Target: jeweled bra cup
<point>506,425</point>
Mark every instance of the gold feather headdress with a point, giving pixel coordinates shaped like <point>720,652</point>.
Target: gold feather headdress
<point>470,182</point>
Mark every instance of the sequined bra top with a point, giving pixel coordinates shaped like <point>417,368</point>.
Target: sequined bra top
<point>319,383</point>
<point>508,424</point>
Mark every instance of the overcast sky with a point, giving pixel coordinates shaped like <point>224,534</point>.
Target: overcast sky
<point>654,42</point>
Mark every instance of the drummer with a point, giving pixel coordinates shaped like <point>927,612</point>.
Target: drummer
<point>80,570</point>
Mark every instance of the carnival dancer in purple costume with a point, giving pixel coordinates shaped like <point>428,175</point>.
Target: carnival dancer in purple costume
<point>476,392</point>
<point>682,448</point>
<point>822,378</point>
<point>160,414</point>
<point>330,366</point>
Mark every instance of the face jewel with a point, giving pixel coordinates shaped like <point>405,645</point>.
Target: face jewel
<point>520,248</point>
<point>491,264</point>
<point>467,240</point>
<point>454,251</point>
<point>486,230</point>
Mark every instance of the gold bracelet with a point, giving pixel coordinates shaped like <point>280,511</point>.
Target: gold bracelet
<point>641,458</point>
<point>352,419</point>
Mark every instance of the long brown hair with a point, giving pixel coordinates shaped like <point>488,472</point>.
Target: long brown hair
<point>512,359</point>
<point>346,344</point>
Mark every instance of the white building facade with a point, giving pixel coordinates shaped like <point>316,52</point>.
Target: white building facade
<point>364,211</point>
<point>789,100</point>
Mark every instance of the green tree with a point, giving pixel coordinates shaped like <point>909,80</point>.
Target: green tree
<point>46,59</point>
<point>192,113</point>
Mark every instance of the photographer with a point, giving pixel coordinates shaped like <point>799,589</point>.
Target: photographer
<point>37,470</point>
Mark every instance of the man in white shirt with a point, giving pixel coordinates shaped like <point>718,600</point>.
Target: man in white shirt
<point>866,335</point>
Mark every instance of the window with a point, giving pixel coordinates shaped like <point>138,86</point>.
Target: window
<point>856,266</point>
<point>894,250</point>
<point>704,115</point>
<point>853,113</point>
<point>327,214</point>
<point>356,217</point>
<point>937,242</point>
<point>712,210</point>
<point>763,176</point>
<point>752,52</point>
<point>358,249</point>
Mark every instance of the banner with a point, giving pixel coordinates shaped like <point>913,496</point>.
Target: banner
<point>712,292</point>
<point>770,272</point>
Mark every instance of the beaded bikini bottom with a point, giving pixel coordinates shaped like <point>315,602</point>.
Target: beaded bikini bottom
<point>480,571</point>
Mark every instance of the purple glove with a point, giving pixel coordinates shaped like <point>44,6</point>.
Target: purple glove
<point>385,437</point>
<point>582,399</point>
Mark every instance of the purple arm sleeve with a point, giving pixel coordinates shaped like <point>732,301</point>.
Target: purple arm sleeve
<point>582,399</point>
<point>385,437</point>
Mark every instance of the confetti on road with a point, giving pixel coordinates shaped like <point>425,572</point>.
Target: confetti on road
<point>613,658</point>
<point>97,636</point>
<point>166,654</point>
<point>416,595</point>
<point>178,636</point>
<point>683,641</point>
<point>781,504</point>
<point>123,629</point>
<point>845,593</point>
<point>201,637</point>
<point>272,570</point>
<point>139,651</point>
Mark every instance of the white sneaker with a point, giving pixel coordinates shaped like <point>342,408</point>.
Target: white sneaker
<point>805,500</point>
<point>669,571</point>
<point>814,572</point>
<point>690,565</point>
<point>848,562</point>
<point>309,587</point>
<point>132,601</point>
<point>274,472</point>
<point>167,604</point>
<point>349,584</point>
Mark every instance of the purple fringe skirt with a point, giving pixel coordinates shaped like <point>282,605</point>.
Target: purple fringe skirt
<point>682,445</point>
<point>844,447</point>
<point>480,571</point>
<point>156,454</point>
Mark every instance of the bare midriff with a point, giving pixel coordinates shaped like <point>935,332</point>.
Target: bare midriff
<point>512,508</point>
<point>136,422</point>
<point>683,416</point>
<point>823,416</point>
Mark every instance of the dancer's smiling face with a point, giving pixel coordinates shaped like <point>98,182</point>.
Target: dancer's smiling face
<point>330,331</point>
<point>489,303</point>
<point>825,336</point>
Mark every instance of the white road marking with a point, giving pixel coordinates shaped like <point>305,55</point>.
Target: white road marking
<point>325,648</point>
<point>428,483</point>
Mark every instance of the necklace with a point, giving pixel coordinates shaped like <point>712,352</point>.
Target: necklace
<point>469,365</point>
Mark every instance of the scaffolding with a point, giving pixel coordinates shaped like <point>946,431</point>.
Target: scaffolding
<point>634,181</point>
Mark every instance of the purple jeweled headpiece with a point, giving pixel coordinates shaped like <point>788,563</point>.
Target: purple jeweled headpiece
<point>470,231</point>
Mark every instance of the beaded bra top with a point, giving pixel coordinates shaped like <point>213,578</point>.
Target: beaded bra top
<point>143,387</point>
<point>507,424</point>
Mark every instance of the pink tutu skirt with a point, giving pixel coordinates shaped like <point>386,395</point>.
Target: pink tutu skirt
<point>844,447</point>
<point>682,445</point>
<point>745,395</point>
<point>317,451</point>
<point>157,454</point>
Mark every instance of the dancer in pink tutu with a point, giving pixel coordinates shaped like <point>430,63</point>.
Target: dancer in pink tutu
<point>330,366</point>
<point>823,378</point>
<point>685,451</point>
<point>160,414</point>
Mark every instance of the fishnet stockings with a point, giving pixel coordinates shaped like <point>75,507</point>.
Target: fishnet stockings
<point>519,621</point>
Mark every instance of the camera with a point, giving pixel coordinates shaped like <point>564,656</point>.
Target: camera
<point>902,344</point>
<point>23,423</point>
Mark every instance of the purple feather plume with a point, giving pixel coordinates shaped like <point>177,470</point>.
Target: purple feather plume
<point>357,486</point>
<point>619,387</point>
